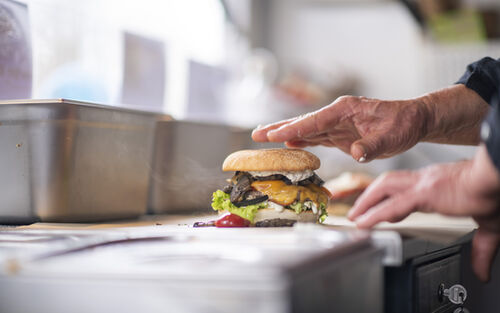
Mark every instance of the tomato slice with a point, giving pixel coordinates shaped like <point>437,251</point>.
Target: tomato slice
<point>232,220</point>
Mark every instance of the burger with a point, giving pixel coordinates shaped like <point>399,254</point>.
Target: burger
<point>271,187</point>
<point>346,189</point>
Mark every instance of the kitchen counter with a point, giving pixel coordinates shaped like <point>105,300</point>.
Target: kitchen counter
<point>163,262</point>
<point>420,233</point>
<point>421,243</point>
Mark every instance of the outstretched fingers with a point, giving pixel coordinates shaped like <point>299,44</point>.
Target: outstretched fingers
<point>305,126</point>
<point>383,187</point>
<point>299,144</point>
<point>259,134</point>
<point>393,209</point>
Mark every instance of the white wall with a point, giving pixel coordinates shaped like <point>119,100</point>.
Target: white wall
<point>379,42</point>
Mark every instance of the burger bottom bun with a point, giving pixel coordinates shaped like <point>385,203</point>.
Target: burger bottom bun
<point>270,214</point>
<point>267,214</point>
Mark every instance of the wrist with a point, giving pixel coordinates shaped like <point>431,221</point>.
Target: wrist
<point>481,185</point>
<point>431,126</point>
<point>477,186</point>
<point>454,115</point>
<point>484,175</point>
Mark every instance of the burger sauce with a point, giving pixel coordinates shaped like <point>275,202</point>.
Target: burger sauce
<point>232,220</point>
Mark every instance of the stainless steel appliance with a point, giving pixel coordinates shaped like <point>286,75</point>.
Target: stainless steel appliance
<point>67,161</point>
<point>182,269</point>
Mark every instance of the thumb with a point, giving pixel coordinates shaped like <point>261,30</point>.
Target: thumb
<point>367,149</point>
<point>484,248</point>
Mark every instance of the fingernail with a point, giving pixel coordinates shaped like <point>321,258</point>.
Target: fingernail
<point>269,134</point>
<point>362,159</point>
<point>360,220</point>
<point>359,223</point>
<point>350,214</point>
<point>259,126</point>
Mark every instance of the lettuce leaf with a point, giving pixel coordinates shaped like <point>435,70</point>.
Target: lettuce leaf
<point>297,207</point>
<point>221,202</point>
<point>323,213</point>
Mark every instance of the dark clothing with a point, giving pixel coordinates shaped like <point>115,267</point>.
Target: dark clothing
<point>483,77</point>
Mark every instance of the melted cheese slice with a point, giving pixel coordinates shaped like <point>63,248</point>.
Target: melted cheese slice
<point>284,194</point>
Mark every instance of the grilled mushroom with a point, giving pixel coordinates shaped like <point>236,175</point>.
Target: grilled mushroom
<point>314,179</point>
<point>242,186</point>
<point>251,197</point>
<point>227,189</point>
<point>275,177</point>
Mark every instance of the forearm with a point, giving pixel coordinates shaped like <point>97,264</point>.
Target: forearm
<point>454,115</point>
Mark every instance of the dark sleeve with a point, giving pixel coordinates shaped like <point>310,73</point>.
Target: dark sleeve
<point>483,77</point>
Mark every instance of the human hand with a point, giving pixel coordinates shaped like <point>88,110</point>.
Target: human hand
<point>468,188</point>
<point>370,128</point>
<point>365,128</point>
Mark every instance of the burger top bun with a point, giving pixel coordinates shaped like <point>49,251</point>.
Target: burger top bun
<point>271,160</point>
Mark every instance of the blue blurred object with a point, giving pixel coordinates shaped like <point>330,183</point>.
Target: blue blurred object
<point>72,82</point>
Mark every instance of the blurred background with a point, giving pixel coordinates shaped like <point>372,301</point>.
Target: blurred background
<point>246,62</point>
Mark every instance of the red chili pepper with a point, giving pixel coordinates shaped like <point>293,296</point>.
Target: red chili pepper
<point>232,220</point>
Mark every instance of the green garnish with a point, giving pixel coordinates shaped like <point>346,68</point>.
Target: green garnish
<point>221,202</point>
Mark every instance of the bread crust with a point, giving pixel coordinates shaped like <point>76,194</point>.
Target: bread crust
<point>271,160</point>
<point>269,214</point>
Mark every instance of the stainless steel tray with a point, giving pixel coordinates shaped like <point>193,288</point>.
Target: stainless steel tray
<point>307,268</point>
<point>187,163</point>
<point>63,160</point>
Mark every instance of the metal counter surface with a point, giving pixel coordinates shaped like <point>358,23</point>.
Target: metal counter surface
<point>419,234</point>
<point>122,264</point>
<point>178,268</point>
